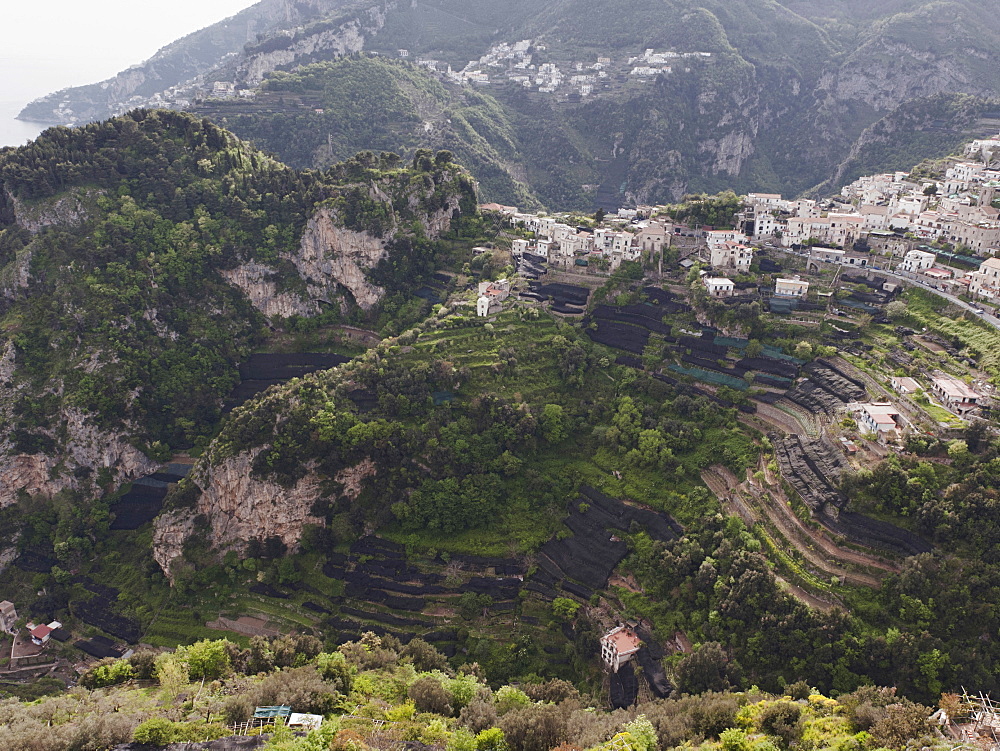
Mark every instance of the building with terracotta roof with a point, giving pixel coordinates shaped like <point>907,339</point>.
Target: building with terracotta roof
<point>618,646</point>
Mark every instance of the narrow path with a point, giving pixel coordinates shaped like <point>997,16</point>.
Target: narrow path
<point>779,503</point>
<point>809,599</point>
<point>800,536</point>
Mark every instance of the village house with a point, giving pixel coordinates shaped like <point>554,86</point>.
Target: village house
<point>790,288</point>
<point>916,261</point>
<point>731,255</point>
<point>719,286</point>
<point>40,634</point>
<point>8,616</point>
<point>491,297</point>
<point>904,385</point>
<point>717,238</point>
<point>985,281</point>
<point>883,420</point>
<point>955,394</point>
<point>618,646</point>
<point>827,255</point>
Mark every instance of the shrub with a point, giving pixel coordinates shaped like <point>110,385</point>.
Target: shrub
<point>108,672</point>
<point>156,731</point>
<point>781,719</point>
<point>430,696</point>
<point>509,698</point>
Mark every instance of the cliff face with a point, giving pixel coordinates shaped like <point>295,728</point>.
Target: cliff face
<point>259,285</point>
<point>84,448</point>
<point>345,39</point>
<point>330,257</point>
<point>240,507</point>
<point>69,209</point>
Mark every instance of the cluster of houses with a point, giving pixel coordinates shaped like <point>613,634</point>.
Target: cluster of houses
<point>957,209</point>
<point>557,241</point>
<point>886,423</point>
<point>515,63</point>
<point>491,297</point>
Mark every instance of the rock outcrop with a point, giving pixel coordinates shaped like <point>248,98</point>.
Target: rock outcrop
<point>332,258</point>
<point>239,507</point>
<point>69,209</point>
<point>85,446</point>
<point>258,284</point>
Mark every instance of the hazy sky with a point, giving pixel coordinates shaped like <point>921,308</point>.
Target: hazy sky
<point>102,36</point>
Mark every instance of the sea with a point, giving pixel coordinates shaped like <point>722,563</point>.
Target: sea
<point>23,79</point>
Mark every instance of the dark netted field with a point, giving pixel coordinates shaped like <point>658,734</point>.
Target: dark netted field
<point>589,556</point>
<point>620,336</point>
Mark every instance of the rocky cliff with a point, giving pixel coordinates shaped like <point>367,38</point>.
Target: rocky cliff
<point>331,258</point>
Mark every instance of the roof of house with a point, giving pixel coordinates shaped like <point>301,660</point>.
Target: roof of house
<point>40,632</point>
<point>909,384</point>
<point>623,640</point>
<point>954,388</point>
<point>267,713</point>
<point>718,281</point>
<point>795,282</point>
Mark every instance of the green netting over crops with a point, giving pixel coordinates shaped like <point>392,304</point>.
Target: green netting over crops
<point>777,354</point>
<point>708,376</point>
<point>730,341</point>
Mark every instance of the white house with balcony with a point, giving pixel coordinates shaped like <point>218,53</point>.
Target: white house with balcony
<point>618,646</point>
<point>718,286</point>
<point>917,260</point>
<point>791,288</point>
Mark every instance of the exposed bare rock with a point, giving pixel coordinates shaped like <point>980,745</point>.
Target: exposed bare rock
<point>257,283</point>
<point>330,256</point>
<point>239,507</point>
<point>346,39</point>
<point>85,446</point>
<point>169,534</point>
<point>354,477</point>
<point>69,209</point>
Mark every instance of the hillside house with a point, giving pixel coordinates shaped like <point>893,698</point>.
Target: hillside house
<point>618,646</point>
<point>917,260</point>
<point>719,286</point>
<point>955,395</point>
<point>40,634</point>
<point>883,420</point>
<point>827,255</point>
<point>790,288</point>
<point>731,255</point>
<point>904,385</point>
<point>8,616</point>
<point>985,281</point>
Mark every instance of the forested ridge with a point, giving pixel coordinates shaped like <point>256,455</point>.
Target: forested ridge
<point>126,316</point>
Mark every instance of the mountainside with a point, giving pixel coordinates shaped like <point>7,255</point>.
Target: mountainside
<point>140,260</point>
<point>757,95</point>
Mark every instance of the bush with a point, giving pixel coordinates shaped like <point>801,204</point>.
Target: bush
<point>108,672</point>
<point>782,719</point>
<point>430,696</point>
<point>156,731</point>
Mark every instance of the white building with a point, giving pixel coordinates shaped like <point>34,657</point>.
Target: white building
<point>917,260</point>
<point>618,646</point>
<point>790,288</point>
<point>718,286</point>
<point>955,394</point>
<point>881,419</point>
<point>985,281</point>
<point>731,255</point>
<point>8,616</point>
<point>904,385</point>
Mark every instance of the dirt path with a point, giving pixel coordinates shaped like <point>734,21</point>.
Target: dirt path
<point>800,536</point>
<point>781,505</point>
<point>805,597</point>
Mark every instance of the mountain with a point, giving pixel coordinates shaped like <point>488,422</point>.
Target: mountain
<point>759,95</point>
<point>142,258</point>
